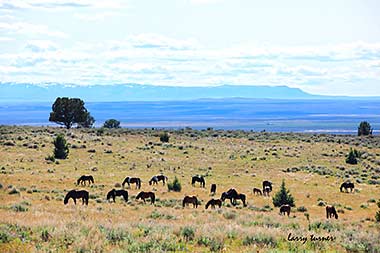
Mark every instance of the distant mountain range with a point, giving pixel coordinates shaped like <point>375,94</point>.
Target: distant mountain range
<point>18,92</point>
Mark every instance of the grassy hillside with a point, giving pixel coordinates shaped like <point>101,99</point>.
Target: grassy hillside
<point>34,218</point>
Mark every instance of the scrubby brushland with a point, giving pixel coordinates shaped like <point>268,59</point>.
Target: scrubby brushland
<point>33,185</point>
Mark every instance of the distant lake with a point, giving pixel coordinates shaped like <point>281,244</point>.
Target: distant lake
<point>320,116</point>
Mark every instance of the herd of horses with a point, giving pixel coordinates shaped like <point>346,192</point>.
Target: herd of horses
<point>231,194</point>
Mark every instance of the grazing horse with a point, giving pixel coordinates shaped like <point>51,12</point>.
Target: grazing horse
<point>199,179</point>
<point>114,193</point>
<point>187,200</point>
<point>285,209</point>
<point>330,211</point>
<point>257,191</point>
<point>346,186</point>
<point>132,180</point>
<point>233,195</point>
<point>266,191</point>
<point>82,180</point>
<point>73,194</point>
<point>145,195</point>
<point>156,179</point>
<point>213,189</point>
<point>213,203</point>
<point>267,184</point>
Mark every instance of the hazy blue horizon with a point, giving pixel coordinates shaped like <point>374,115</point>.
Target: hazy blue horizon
<point>274,115</point>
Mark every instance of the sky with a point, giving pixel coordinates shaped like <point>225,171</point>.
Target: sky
<point>322,47</point>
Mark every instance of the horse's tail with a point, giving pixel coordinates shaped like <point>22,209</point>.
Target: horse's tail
<point>92,179</point>
<point>153,198</point>
<point>125,195</point>
<point>139,183</point>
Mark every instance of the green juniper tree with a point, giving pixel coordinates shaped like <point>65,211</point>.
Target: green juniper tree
<point>364,128</point>
<point>352,157</point>
<point>69,111</point>
<point>112,123</point>
<point>283,197</point>
<point>61,150</point>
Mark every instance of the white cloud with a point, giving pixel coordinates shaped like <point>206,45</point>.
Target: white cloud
<point>60,4</point>
<point>24,28</point>
<point>161,60</point>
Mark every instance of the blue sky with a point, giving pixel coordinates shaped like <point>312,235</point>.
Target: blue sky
<point>322,47</point>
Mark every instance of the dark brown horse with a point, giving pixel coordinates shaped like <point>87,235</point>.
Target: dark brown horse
<point>145,195</point>
<point>82,180</point>
<point>199,179</point>
<point>132,180</point>
<point>213,189</point>
<point>257,191</point>
<point>233,195</point>
<point>114,193</point>
<point>285,209</point>
<point>330,211</point>
<point>213,203</point>
<point>267,183</point>
<point>266,191</point>
<point>346,186</point>
<point>156,179</point>
<point>187,200</point>
<point>73,194</point>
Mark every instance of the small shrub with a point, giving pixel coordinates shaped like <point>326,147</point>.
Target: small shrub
<point>14,191</point>
<point>377,216</point>
<point>187,233</point>
<point>301,209</point>
<point>50,158</point>
<point>229,215</point>
<point>19,208</point>
<point>164,137</point>
<point>175,185</point>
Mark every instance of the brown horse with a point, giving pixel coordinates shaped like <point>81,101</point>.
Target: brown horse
<point>213,203</point>
<point>193,200</point>
<point>132,180</point>
<point>82,180</point>
<point>114,193</point>
<point>73,194</point>
<point>330,211</point>
<point>257,191</point>
<point>145,195</point>
<point>285,209</point>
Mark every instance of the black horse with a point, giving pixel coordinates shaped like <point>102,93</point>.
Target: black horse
<point>267,184</point>
<point>233,195</point>
<point>199,179</point>
<point>213,203</point>
<point>190,199</point>
<point>266,191</point>
<point>114,193</point>
<point>132,180</point>
<point>156,179</point>
<point>330,211</point>
<point>285,209</point>
<point>82,180</point>
<point>346,186</point>
<point>73,194</point>
<point>213,189</point>
<point>145,195</point>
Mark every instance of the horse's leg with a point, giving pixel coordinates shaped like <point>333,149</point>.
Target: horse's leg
<point>75,201</point>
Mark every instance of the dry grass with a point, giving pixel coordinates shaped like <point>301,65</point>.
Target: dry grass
<point>232,159</point>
